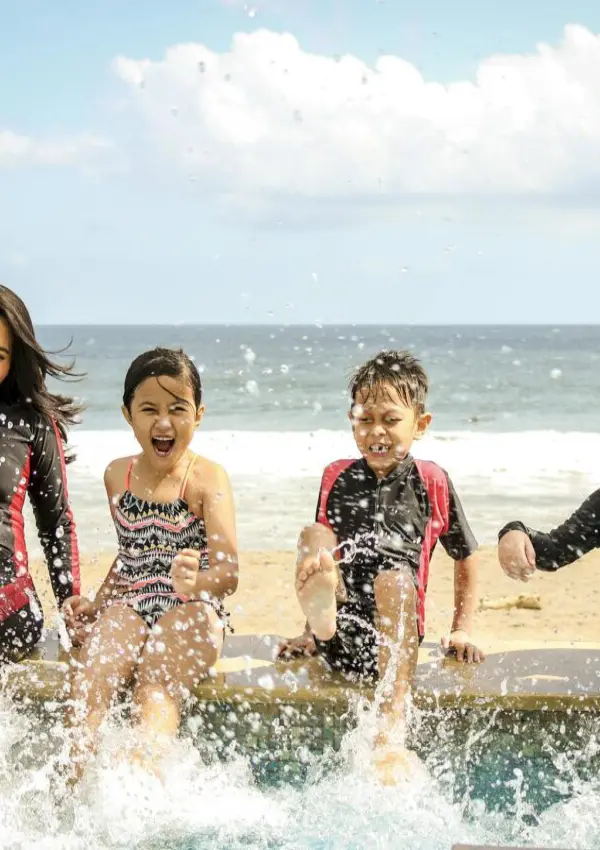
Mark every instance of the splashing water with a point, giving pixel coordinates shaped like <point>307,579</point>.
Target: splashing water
<point>203,803</point>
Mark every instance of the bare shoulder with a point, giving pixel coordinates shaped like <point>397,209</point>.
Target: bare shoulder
<point>115,474</point>
<point>207,480</point>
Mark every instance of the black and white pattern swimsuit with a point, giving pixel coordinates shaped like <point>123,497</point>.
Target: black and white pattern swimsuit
<point>150,534</point>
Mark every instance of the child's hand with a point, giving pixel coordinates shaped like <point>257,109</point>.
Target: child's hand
<point>457,644</point>
<point>517,555</point>
<point>184,571</point>
<point>304,644</point>
<point>80,613</point>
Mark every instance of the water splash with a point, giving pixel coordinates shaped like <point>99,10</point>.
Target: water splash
<point>204,803</point>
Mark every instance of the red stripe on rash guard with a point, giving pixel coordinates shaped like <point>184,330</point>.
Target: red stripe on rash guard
<point>436,484</point>
<point>14,596</point>
<point>74,553</point>
<point>330,476</point>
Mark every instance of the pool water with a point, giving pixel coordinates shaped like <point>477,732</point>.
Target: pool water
<point>299,780</point>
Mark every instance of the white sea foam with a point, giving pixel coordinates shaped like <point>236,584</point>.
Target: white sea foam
<point>516,458</point>
<point>537,476</point>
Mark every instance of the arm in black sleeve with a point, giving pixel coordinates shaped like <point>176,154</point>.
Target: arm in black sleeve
<point>50,502</point>
<point>459,541</point>
<point>579,534</point>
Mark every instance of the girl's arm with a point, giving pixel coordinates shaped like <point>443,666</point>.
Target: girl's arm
<point>80,611</point>
<point>50,502</point>
<point>214,500</point>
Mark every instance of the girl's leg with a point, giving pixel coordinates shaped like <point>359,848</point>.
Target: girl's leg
<point>183,646</point>
<point>105,665</point>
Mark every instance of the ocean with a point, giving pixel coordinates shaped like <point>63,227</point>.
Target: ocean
<point>516,416</point>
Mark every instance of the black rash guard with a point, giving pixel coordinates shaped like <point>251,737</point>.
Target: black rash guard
<point>383,524</point>
<point>32,464</point>
<point>579,534</point>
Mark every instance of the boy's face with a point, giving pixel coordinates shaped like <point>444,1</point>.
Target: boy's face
<point>384,427</point>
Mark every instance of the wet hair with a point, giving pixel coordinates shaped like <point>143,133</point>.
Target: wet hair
<point>161,362</point>
<point>30,366</point>
<point>398,369</point>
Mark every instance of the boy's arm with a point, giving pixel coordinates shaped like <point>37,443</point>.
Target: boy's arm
<point>465,590</point>
<point>579,534</point>
<point>461,545</point>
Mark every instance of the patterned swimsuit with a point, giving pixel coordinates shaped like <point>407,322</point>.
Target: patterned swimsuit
<point>150,534</point>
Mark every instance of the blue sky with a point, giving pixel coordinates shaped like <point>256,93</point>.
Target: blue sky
<point>127,202</point>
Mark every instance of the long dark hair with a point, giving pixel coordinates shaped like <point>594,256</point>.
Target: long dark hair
<point>25,383</point>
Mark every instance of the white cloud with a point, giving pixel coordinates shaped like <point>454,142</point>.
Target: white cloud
<point>268,118</point>
<point>16,150</point>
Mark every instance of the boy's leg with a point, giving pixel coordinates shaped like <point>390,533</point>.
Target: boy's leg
<point>396,603</point>
<point>105,665</point>
<point>183,646</point>
<point>317,579</point>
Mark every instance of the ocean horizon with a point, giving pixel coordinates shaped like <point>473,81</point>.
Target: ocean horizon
<point>516,415</point>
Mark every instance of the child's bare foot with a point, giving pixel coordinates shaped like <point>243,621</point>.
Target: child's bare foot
<point>149,757</point>
<point>392,761</point>
<point>316,585</point>
<point>395,766</point>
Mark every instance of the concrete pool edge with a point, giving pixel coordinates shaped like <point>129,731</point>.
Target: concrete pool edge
<point>521,676</point>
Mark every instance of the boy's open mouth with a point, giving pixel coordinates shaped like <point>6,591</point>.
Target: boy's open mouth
<point>379,449</point>
<point>163,445</point>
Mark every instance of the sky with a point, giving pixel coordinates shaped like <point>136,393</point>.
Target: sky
<point>301,161</point>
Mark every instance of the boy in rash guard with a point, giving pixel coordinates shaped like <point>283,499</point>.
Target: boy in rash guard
<point>381,517</point>
<point>522,550</point>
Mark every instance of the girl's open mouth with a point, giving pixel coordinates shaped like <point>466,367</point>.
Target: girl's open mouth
<point>163,445</point>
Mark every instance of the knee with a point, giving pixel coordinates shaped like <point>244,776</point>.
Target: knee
<point>148,691</point>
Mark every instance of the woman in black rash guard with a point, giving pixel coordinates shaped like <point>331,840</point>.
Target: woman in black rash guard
<point>523,550</point>
<point>33,431</point>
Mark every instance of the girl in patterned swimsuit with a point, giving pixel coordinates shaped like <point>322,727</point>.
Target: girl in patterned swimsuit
<point>157,622</point>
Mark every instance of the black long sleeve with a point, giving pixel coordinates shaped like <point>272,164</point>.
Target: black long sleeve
<point>50,502</point>
<point>579,534</point>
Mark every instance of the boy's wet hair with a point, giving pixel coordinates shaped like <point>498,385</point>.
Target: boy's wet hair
<point>398,369</point>
<point>161,362</point>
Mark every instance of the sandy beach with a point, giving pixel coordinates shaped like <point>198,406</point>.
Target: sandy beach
<point>265,601</point>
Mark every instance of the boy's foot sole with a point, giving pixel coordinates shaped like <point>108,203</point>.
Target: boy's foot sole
<point>317,598</point>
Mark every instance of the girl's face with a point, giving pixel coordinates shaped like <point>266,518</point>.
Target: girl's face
<point>164,416</point>
<point>5,349</point>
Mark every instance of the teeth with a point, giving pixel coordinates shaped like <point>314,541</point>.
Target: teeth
<point>379,450</point>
